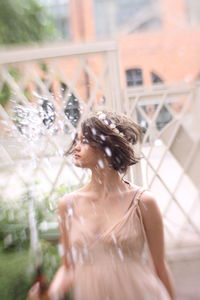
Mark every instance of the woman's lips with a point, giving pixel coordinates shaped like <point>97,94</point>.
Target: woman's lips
<point>76,156</point>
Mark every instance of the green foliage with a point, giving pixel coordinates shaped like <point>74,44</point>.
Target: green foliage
<point>16,266</point>
<point>14,229</point>
<point>5,89</point>
<point>23,21</point>
<point>16,276</point>
<point>5,94</point>
<point>14,279</point>
<point>62,189</point>
<point>14,223</point>
<point>57,194</point>
<point>44,67</point>
<point>15,73</point>
<point>50,258</point>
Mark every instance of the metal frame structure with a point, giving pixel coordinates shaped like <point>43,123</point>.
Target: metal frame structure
<point>27,156</point>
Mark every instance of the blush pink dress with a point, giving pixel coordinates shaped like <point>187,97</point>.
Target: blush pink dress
<point>113,266</point>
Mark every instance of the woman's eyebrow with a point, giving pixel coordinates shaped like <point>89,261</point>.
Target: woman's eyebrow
<point>78,137</point>
<point>75,138</point>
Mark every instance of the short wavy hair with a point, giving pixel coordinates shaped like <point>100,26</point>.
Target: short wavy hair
<point>117,143</point>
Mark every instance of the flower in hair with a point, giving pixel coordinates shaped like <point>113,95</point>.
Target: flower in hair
<point>112,125</point>
<point>116,130</point>
<point>101,116</point>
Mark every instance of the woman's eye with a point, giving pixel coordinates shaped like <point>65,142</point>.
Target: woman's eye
<point>85,141</point>
<point>80,141</point>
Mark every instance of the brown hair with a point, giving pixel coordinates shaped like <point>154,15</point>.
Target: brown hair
<point>115,142</point>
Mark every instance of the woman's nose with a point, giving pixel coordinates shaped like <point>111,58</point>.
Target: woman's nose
<point>77,147</point>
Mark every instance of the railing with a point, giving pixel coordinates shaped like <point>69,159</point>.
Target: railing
<point>44,93</point>
<point>170,150</point>
<point>46,90</point>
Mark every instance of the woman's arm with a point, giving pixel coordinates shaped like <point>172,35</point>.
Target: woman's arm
<point>63,221</point>
<point>153,225</point>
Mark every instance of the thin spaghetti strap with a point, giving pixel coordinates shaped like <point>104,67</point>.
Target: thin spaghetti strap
<point>133,199</point>
<point>138,199</point>
<point>140,191</point>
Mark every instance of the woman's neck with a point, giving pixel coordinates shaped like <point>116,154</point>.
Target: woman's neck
<point>106,181</point>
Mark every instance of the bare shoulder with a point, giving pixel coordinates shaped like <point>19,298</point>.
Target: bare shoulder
<point>148,198</point>
<point>148,203</point>
<point>65,202</point>
<point>152,217</point>
<point>71,199</point>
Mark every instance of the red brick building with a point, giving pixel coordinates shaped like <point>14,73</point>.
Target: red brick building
<point>159,41</point>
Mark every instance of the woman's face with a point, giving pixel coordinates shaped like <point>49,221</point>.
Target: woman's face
<point>86,156</point>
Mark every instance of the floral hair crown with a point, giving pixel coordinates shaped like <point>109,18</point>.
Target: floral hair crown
<point>102,117</point>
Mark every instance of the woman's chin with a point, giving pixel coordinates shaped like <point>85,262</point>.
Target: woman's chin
<point>78,164</point>
<point>81,165</point>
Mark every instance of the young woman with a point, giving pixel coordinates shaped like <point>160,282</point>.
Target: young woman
<point>106,224</point>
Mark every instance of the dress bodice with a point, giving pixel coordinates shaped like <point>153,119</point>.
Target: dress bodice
<point>123,239</point>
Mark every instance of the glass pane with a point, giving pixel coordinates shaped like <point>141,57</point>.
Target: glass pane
<point>134,77</point>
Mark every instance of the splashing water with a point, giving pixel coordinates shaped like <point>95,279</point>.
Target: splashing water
<point>28,122</point>
<point>35,121</point>
<point>94,132</point>
<point>102,137</point>
<point>108,151</point>
<point>101,163</point>
<point>120,253</point>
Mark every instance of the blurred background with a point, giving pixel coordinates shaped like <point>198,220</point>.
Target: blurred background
<point>61,59</point>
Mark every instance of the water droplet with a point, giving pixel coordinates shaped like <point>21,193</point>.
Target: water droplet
<point>70,212</point>
<point>114,238</point>
<point>101,163</point>
<point>102,137</point>
<point>94,132</point>
<point>120,253</point>
<point>108,151</point>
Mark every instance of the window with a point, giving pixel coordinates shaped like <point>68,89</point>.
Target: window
<point>134,77</point>
<point>155,78</point>
<point>112,15</point>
